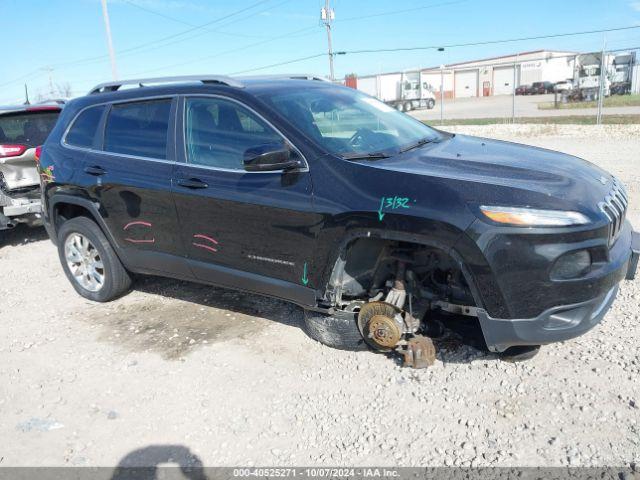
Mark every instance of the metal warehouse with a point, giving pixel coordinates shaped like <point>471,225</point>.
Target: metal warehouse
<point>478,78</point>
<point>500,75</point>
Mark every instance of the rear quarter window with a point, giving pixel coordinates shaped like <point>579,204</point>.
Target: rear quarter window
<point>83,130</point>
<point>138,128</point>
<point>27,128</point>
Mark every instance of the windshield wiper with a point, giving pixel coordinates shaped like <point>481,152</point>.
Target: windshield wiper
<point>418,144</point>
<point>365,156</point>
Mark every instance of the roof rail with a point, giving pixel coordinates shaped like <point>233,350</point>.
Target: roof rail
<point>114,86</point>
<point>292,76</point>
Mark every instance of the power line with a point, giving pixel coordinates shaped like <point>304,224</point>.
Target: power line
<point>183,22</point>
<point>163,39</point>
<point>235,50</point>
<point>398,12</point>
<point>487,42</point>
<point>279,64</point>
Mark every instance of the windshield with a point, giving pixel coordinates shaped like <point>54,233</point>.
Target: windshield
<point>27,128</point>
<point>348,123</point>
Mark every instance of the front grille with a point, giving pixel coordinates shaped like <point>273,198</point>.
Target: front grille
<point>614,207</point>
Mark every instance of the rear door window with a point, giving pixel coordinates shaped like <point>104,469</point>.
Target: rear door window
<point>27,128</point>
<point>138,128</point>
<point>83,131</point>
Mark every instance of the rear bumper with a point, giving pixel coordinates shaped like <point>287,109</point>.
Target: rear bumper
<point>21,210</point>
<point>557,323</point>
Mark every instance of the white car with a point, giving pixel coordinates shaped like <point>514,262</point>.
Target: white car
<point>22,129</point>
<point>564,86</point>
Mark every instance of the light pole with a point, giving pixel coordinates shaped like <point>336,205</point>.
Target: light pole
<point>107,26</point>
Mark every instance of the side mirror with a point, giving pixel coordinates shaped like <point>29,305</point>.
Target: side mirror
<point>268,158</point>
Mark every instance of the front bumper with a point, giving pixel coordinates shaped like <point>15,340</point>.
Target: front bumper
<point>557,323</point>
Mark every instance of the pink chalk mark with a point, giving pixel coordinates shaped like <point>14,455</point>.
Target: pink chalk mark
<point>137,222</point>
<point>133,240</point>
<point>206,247</point>
<point>212,240</point>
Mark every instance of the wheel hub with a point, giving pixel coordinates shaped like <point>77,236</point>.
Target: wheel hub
<point>380,324</point>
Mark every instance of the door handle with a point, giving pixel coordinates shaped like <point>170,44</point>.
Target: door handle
<point>191,183</point>
<point>95,170</point>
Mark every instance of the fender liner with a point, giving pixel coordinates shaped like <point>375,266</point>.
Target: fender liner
<point>92,207</point>
<point>339,258</point>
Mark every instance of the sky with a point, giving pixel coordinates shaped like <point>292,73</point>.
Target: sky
<point>63,43</point>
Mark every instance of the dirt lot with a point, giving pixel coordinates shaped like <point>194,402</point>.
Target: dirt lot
<point>233,379</point>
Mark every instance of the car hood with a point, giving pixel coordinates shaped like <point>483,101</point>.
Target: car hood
<point>506,164</point>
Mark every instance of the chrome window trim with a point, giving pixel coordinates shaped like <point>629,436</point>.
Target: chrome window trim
<point>63,140</point>
<point>257,114</point>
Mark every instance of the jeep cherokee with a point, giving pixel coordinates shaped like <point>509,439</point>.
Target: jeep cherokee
<point>315,193</point>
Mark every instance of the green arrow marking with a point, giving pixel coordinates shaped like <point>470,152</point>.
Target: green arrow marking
<point>305,280</point>
<point>380,214</point>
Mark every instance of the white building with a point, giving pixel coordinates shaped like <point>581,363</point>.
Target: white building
<point>500,75</point>
<point>478,78</point>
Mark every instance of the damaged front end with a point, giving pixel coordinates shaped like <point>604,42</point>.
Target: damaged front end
<point>395,288</point>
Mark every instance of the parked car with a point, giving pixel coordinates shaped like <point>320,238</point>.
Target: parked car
<point>564,86</point>
<point>538,88</point>
<point>523,89</point>
<point>318,194</point>
<point>23,128</point>
<point>620,88</point>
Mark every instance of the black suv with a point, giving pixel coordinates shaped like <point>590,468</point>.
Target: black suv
<point>315,193</point>
<point>538,88</point>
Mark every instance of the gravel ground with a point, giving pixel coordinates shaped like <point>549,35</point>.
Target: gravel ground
<point>232,379</point>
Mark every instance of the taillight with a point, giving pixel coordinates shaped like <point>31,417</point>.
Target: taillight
<point>12,150</point>
<point>38,153</point>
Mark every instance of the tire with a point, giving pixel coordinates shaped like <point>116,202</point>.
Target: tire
<point>337,331</point>
<point>407,107</point>
<point>430,104</point>
<point>115,279</point>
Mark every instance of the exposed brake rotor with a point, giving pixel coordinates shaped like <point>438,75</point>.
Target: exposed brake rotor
<point>381,325</point>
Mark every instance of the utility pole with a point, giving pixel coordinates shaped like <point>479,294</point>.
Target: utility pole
<point>49,71</point>
<point>327,16</point>
<point>26,95</point>
<point>107,26</point>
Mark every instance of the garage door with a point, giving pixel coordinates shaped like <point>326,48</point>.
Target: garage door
<point>466,83</point>
<point>503,81</point>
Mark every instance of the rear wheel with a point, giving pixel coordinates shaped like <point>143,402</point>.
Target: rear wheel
<point>337,331</point>
<point>89,261</point>
<point>408,106</point>
<point>431,103</point>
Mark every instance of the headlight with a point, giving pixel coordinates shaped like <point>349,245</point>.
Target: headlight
<point>531,217</point>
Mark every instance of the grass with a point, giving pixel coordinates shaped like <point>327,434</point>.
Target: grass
<point>612,101</point>
<point>565,120</point>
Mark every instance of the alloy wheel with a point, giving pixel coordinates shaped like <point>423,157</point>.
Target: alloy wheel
<point>84,262</point>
